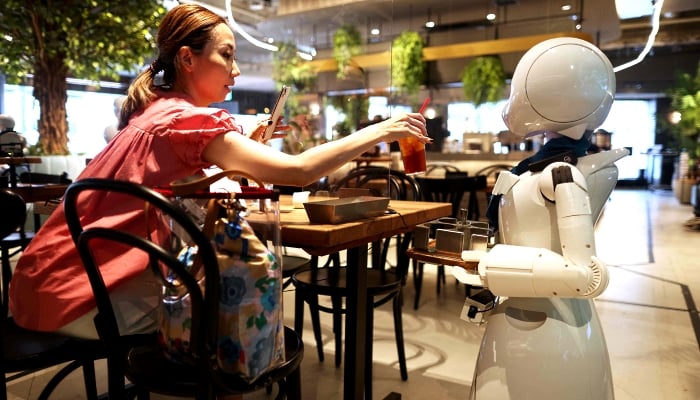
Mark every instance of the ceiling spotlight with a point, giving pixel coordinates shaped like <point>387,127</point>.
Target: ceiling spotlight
<point>430,24</point>
<point>256,5</point>
<point>491,16</point>
<point>375,31</point>
<point>566,7</point>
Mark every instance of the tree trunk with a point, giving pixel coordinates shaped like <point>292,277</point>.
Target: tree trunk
<point>50,90</point>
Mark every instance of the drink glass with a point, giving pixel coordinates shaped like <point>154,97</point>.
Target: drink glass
<point>413,155</point>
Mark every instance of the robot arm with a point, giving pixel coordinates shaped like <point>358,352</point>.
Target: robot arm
<point>519,271</point>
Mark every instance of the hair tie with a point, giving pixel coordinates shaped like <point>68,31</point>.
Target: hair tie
<point>158,73</point>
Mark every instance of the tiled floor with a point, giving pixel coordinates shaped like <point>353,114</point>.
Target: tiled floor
<point>649,314</point>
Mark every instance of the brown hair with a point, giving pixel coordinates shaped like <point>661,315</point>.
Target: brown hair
<point>184,25</point>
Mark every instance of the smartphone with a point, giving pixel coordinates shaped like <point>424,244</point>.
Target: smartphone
<point>276,112</point>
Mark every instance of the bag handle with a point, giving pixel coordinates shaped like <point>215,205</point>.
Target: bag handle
<point>196,183</point>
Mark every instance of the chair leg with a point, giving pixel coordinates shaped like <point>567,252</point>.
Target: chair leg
<point>398,331</point>
<point>3,385</point>
<point>298,311</point>
<point>6,277</point>
<point>312,300</point>
<point>417,282</point>
<point>337,303</point>
<point>292,385</point>
<point>89,379</point>
<point>369,350</point>
<point>440,277</point>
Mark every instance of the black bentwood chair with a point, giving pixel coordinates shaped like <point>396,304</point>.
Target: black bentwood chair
<point>24,351</point>
<point>383,284</point>
<point>145,365</point>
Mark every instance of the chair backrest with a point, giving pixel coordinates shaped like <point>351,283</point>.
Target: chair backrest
<point>205,304</point>
<point>434,167</point>
<point>12,144</point>
<point>381,182</point>
<point>491,172</point>
<point>449,189</point>
<point>13,212</point>
<point>13,216</point>
<point>38,177</point>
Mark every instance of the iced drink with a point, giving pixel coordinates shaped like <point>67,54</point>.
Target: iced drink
<point>413,155</point>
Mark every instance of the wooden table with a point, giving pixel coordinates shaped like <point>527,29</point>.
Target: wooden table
<point>39,192</point>
<point>321,239</point>
<point>40,195</point>
<point>13,162</point>
<point>367,160</point>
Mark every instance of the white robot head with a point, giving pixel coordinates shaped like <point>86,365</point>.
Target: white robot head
<point>565,85</point>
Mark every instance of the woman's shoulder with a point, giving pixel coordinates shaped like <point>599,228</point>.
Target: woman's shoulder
<point>172,113</point>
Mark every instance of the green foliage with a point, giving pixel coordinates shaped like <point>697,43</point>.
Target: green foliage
<point>288,68</point>
<point>346,45</point>
<point>87,39</point>
<point>483,80</point>
<point>685,98</point>
<point>355,107</point>
<point>96,39</point>
<point>407,66</point>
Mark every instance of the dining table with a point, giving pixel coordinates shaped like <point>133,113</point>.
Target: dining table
<point>354,237</point>
<point>13,161</point>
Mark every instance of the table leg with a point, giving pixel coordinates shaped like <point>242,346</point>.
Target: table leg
<point>355,324</point>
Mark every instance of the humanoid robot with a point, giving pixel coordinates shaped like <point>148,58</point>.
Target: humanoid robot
<point>543,339</point>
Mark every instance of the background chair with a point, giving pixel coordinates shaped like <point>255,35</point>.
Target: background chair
<point>491,173</point>
<point>436,168</point>
<point>145,364</point>
<point>383,284</point>
<point>24,351</point>
<point>20,238</point>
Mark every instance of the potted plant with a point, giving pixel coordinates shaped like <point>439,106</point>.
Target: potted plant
<point>685,99</point>
<point>407,66</point>
<point>483,80</point>
<point>346,45</point>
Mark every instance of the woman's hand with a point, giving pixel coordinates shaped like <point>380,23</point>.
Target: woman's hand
<point>258,134</point>
<point>400,126</point>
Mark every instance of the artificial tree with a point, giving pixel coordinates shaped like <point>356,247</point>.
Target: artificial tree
<point>45,42</point>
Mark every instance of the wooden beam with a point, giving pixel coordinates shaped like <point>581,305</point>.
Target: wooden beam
<point>457,50</point>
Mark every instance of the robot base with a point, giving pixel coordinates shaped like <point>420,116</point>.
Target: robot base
<point>543,348</point>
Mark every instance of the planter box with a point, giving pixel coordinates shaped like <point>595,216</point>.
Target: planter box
<point>56,165</point>
<point>682,189</point>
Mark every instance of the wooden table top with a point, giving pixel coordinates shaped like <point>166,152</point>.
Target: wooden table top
<point>39,192</point>
<point>20,160</point>
<point>323,239</point>
<point>371,159</point>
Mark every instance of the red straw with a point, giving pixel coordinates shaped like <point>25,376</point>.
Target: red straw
<point>425,104</point>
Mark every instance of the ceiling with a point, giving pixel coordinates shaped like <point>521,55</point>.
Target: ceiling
<point>311,24</point>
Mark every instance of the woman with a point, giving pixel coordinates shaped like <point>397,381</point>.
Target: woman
<point>166,133</point>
